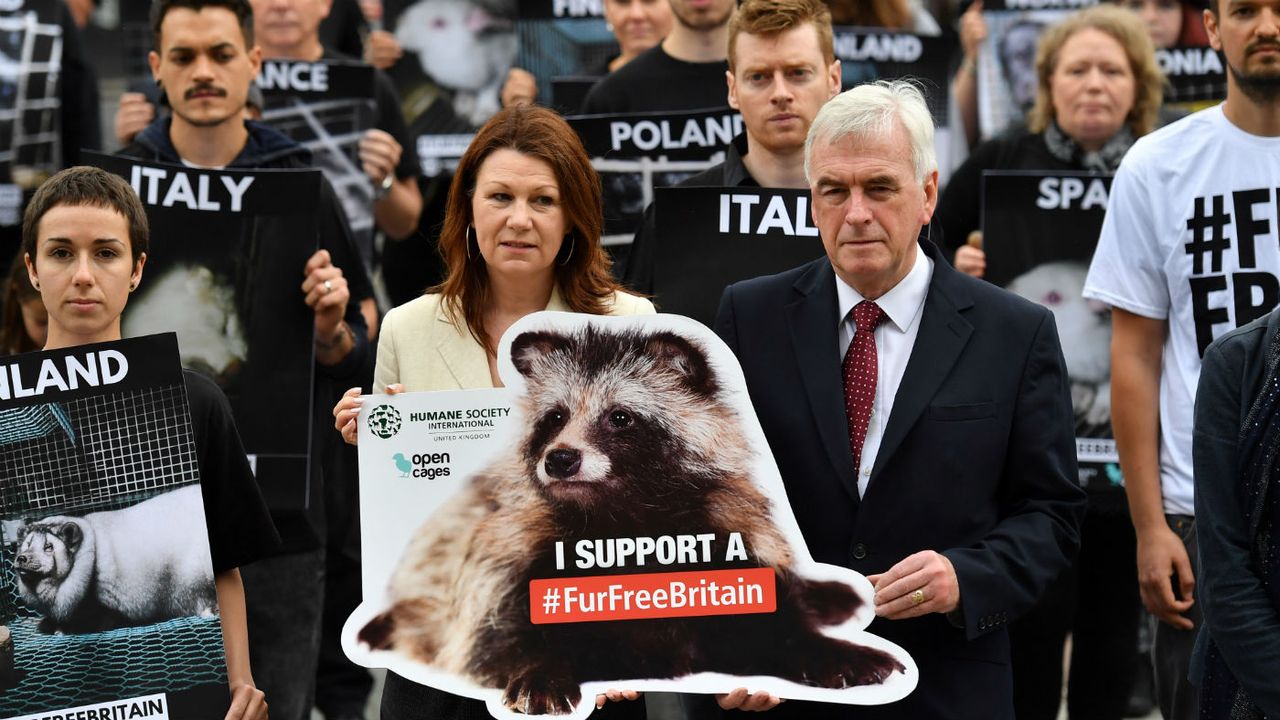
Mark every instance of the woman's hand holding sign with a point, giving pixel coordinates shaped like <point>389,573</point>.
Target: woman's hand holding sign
<point>348,409</point>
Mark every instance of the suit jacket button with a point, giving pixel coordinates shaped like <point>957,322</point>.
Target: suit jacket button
<point>859,551</point>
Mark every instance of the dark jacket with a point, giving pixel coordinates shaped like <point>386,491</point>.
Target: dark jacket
<point>1239,617</point>
<point>977,462</point>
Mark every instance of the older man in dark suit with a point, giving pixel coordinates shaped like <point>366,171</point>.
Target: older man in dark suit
<point>921,419</point>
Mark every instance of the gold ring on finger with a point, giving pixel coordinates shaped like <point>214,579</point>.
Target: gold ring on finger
<point>917,597</point>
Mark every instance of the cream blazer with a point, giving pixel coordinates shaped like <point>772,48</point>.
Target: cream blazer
<point>420,348</point>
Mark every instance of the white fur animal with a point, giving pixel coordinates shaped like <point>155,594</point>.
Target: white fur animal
<point>463,47</point>
<point>1085,329</point>
<point>139,565</point>
<point>190,301</point>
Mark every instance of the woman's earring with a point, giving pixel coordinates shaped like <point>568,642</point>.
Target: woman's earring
<point>471,236</point>
<point>572,243</point>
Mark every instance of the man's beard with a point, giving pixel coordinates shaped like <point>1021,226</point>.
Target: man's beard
<point>706,22</point>
<point>1263,88</point>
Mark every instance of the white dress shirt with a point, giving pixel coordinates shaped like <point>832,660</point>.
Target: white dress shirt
<point>895,337</point>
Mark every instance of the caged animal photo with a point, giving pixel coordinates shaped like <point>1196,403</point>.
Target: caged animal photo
<point>624,432</point>
<point>139,565</point>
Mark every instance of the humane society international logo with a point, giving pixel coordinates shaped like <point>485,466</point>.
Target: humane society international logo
<point>384,421</point>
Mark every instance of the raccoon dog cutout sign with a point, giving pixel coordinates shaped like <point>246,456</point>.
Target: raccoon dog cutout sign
<point>612,518</point>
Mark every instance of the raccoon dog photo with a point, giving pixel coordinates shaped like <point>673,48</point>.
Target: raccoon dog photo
<point>627,428</point>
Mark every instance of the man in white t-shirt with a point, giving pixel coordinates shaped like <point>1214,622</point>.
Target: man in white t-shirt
<point>1189,250</point>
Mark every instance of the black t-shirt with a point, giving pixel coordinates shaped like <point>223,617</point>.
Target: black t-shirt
<point>637,271</point>
<point>655,81</point>
<point>341,29</point>
<point>240,527</point>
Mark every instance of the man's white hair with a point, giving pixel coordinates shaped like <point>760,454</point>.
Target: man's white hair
<point>872,110</point>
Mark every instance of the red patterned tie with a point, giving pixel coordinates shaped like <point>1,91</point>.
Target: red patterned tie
<point>860,369</point>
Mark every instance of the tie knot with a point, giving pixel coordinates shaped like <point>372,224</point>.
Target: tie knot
<point>867,315</point>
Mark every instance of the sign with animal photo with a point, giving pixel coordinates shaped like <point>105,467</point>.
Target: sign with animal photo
<point>708,238</point>
<point>326,107</point>
<point>224,273</point>
<point>869,54</point>
<point>636,153</point>
<point>1039,231</point>
<point>1007,81</point>
<point>457,54</point>
<point>30,106</point>
<point>567,46</point>
<point>108,607</point>
<point>610,518</point>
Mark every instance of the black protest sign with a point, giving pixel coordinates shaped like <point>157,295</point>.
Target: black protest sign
<point>1039,234</point>
<point>708,238</point>
<point>1195,74</point>
<point>326,107</point>
<point>30,108</point>
<point>108,606</point>
<point>695,135</point>
<point>224,272</point>
<point>868,54</point>
<point>555,9</point>
<point>636,153</point>
<point>288,81</point>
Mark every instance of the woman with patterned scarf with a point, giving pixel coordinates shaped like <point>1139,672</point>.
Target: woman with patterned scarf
<point>1237,496</point>
<point>1099,89</point>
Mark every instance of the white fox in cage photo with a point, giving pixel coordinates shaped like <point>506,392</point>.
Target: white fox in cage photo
<point>139,565</point>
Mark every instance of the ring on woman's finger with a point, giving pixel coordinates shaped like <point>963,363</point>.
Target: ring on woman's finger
<point>328,287</point>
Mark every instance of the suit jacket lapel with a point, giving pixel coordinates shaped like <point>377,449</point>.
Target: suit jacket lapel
<point>943,335</point>
<point>813,324</point>
<point>462,355</point>
<point>466,358</point>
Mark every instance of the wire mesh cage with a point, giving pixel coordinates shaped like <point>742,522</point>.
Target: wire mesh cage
<point>93,454</point>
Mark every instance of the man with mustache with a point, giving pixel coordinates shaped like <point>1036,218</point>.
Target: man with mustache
<point>1188,252</point>
<point>205,59</point>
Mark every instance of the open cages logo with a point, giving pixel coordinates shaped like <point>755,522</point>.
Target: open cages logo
<point>384,421</point>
